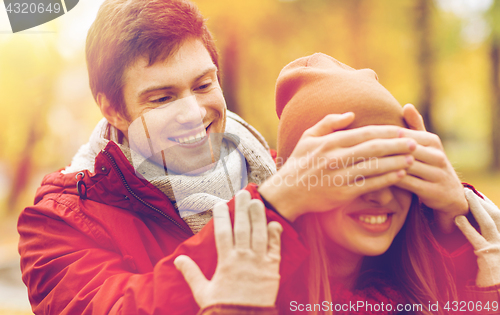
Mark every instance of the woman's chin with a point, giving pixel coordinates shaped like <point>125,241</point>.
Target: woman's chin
<point>375,248</point>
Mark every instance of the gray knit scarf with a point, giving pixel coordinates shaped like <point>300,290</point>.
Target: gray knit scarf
<point>244,158</point>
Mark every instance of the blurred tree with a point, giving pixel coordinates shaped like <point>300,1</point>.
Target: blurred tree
<point>26,87</point>
<point>423,32</point>
<point>495,84</point>
<point>24,166</point>
<point>230,60</point>
<point>356,11</point>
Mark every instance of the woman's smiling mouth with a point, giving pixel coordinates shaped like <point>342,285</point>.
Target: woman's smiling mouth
<point>375,223</point>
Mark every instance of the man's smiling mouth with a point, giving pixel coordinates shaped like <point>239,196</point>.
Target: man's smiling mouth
<point>192,139</point>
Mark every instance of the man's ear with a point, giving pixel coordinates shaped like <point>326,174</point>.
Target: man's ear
<point>113,116</point>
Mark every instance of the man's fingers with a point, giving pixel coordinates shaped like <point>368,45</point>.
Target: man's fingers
<point>430,155</point>
<point>476,240</point>
<point>259,226</point>
<point>413,118</point>
<point>377,166</point>
<point>422,137</point>
<point>274,230</point>
<point>191,272</point>
<point>352,137</point>
<point>425,172</point>
<point>223,231</point>
<point>329,124</point>
<point>242,220</point>
<point>366,185</point>
<point>416,185</point>
<point>488,227</point>
<point>376,148</point>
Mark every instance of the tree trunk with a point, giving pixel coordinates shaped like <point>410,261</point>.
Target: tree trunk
<point>230,69</point>
<point>495,108</point>
<point>24,167</point>
<point>356,17</point>
<point>425,57</point>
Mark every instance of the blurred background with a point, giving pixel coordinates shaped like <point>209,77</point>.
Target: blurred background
<point>441,55</point>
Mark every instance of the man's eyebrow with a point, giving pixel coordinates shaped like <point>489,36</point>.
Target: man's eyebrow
<point>169,87</point>
<point>207,71</point>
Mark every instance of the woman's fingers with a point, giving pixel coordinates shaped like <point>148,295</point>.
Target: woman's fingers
<point>223,231</point>
<point>274,230</point>
<point>241,220</point>
<point>491,208</point>
<point>191,272</point>
<point>258,226</point>
<point>488,227</point>
<point>477,241</point>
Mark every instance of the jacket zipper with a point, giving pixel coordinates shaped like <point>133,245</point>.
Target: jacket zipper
<point>147,204</point>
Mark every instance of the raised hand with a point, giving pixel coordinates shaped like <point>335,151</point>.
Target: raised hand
<point>354,162</point>
<point>431,176</point>
<point>486,244</point>
<point>247,270</point>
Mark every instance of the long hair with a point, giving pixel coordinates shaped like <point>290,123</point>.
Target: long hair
<point>411,264</point>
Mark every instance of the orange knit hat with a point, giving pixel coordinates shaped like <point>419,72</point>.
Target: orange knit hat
<point>312,87</point>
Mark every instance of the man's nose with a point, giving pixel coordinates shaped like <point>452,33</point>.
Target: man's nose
<point>379,197</point>
<point>191,112</point>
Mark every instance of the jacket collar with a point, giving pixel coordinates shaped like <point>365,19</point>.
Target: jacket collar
<point>115,183</point>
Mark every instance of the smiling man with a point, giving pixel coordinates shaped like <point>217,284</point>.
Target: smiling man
<point>103,232</point>
<point>187,105</point>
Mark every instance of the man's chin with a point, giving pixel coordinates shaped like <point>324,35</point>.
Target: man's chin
<point>200,170</point>
<point>185,166</point>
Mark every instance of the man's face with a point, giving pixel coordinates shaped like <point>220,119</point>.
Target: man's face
<point>176,109</point>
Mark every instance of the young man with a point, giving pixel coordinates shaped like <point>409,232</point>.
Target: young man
<point>103,233</point>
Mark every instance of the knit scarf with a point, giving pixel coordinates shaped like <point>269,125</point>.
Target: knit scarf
<point>244,158</point>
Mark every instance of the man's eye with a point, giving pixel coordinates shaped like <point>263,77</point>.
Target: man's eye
<point>204,86</point>
<point>162,99</point>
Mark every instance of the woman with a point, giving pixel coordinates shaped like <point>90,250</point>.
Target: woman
<point>376,251</point>
<point>379,246</point>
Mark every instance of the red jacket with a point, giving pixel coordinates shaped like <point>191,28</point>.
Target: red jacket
<point>113,251</point>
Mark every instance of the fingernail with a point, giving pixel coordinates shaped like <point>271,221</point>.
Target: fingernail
<point>412,145</point>
<point>347,114</point>
<point>409,159</point>
<point>401,133</point>
<point>401,173</point>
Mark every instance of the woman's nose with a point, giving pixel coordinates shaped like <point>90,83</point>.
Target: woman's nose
<point>379,197</point>
<point>191,113</point>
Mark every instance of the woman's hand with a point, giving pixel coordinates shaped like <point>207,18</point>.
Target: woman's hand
<point>330,167</point>
<point>486,244</point>
<point>247,270</point>
<point>432,176</point>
